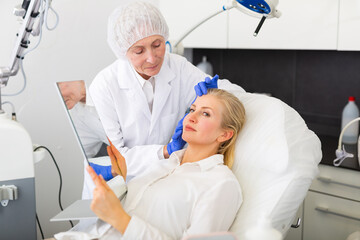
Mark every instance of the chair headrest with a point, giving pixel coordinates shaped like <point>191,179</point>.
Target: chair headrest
<point>276,156</point>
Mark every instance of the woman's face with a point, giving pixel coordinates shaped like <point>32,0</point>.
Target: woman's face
<point>202,126</point>
<point>147,55</point>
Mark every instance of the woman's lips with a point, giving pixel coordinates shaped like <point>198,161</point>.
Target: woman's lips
<point>188,128</point>
<point>152,68</point>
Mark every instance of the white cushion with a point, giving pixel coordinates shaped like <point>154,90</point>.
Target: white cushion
<point>276,158</point>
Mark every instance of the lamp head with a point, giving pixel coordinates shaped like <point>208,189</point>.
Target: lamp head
<point>259,8</point>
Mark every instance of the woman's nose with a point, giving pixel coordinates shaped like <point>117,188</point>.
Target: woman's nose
<point>150,57</point>
<point>192,117</point>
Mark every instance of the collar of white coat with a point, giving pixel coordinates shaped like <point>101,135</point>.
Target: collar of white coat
<point>164,76</point>
<point>142,80</point>
<point>204,164</point>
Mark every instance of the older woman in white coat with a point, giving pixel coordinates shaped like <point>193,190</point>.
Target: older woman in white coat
<point>141,97</point>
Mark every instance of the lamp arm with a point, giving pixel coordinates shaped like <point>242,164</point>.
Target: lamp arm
<point>201,22</point>
<point>342,131</point>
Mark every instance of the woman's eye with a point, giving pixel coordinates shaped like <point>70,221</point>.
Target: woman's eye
<point>137,50</point>
<point>191,110</point>
<point>206,114</point>
<point>157,45</point>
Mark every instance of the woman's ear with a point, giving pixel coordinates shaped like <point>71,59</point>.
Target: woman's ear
<point>226,135</point>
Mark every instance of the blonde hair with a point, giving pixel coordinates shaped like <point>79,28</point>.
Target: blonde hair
<point>233,118</point>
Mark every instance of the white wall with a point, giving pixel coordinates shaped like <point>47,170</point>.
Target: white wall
<point>76,49</point>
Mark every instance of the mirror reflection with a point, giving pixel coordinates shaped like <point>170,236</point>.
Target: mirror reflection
<point>84,117</point>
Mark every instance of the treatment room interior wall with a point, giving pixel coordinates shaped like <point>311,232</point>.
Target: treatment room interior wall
<point>316,83</point>
<point>76,49</point>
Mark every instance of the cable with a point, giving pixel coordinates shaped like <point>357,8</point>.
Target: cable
<point>11,104</point>
<point>57,167</point>
<point>48,6</point>
<point>24,86</point>
<point>13,113</point>
<point>25,81</point>
<point>37,220</point>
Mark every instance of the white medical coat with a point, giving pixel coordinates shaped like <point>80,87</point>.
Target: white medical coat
<point>126,117</point>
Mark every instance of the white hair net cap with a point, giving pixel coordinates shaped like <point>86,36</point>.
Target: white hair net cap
<point>133,22</point>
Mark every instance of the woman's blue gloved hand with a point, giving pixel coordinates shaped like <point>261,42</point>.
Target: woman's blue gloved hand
<point>177,142</point>
<point>104,171</point>
<point>202,87</point>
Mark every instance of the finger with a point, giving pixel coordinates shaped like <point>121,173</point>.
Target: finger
<point>215,78</point>
<point>115,166</point>
<point>116,153</point>
<point>178,127</point>
<point>180,124</point>
<point>109,140</point>
<point>113,149</point>
<point>113,153</point>
<point>102,183</point>
<point>91,172</point>
<point>113,170</point>
<point>117,163</point>
<point>203,88</point>
<point>110,152</point>
<point>207,80</point>
<point>177,134</point>
<point>198,90</point>
<point>111,144</point>
<point>114,160</point>
<point>96,179</point>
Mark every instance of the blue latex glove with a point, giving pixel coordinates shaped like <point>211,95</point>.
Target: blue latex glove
<point>104,171</point>
<point>177,142</point>
<point>202,87</point>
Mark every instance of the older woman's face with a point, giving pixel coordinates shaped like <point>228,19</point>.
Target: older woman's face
<point>147,55</point>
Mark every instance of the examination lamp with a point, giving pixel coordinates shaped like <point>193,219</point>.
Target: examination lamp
<point>257,8</point>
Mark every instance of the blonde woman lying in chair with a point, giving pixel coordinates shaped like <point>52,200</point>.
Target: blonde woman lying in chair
<point>193,192</point>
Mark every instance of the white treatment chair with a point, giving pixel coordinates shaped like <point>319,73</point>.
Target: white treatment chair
<point>276,159</point>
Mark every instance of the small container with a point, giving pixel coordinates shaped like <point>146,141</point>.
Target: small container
<point>205,66</point>
<point>350,112</point>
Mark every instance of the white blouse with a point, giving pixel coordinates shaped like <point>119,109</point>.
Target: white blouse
<point>170,201</point>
